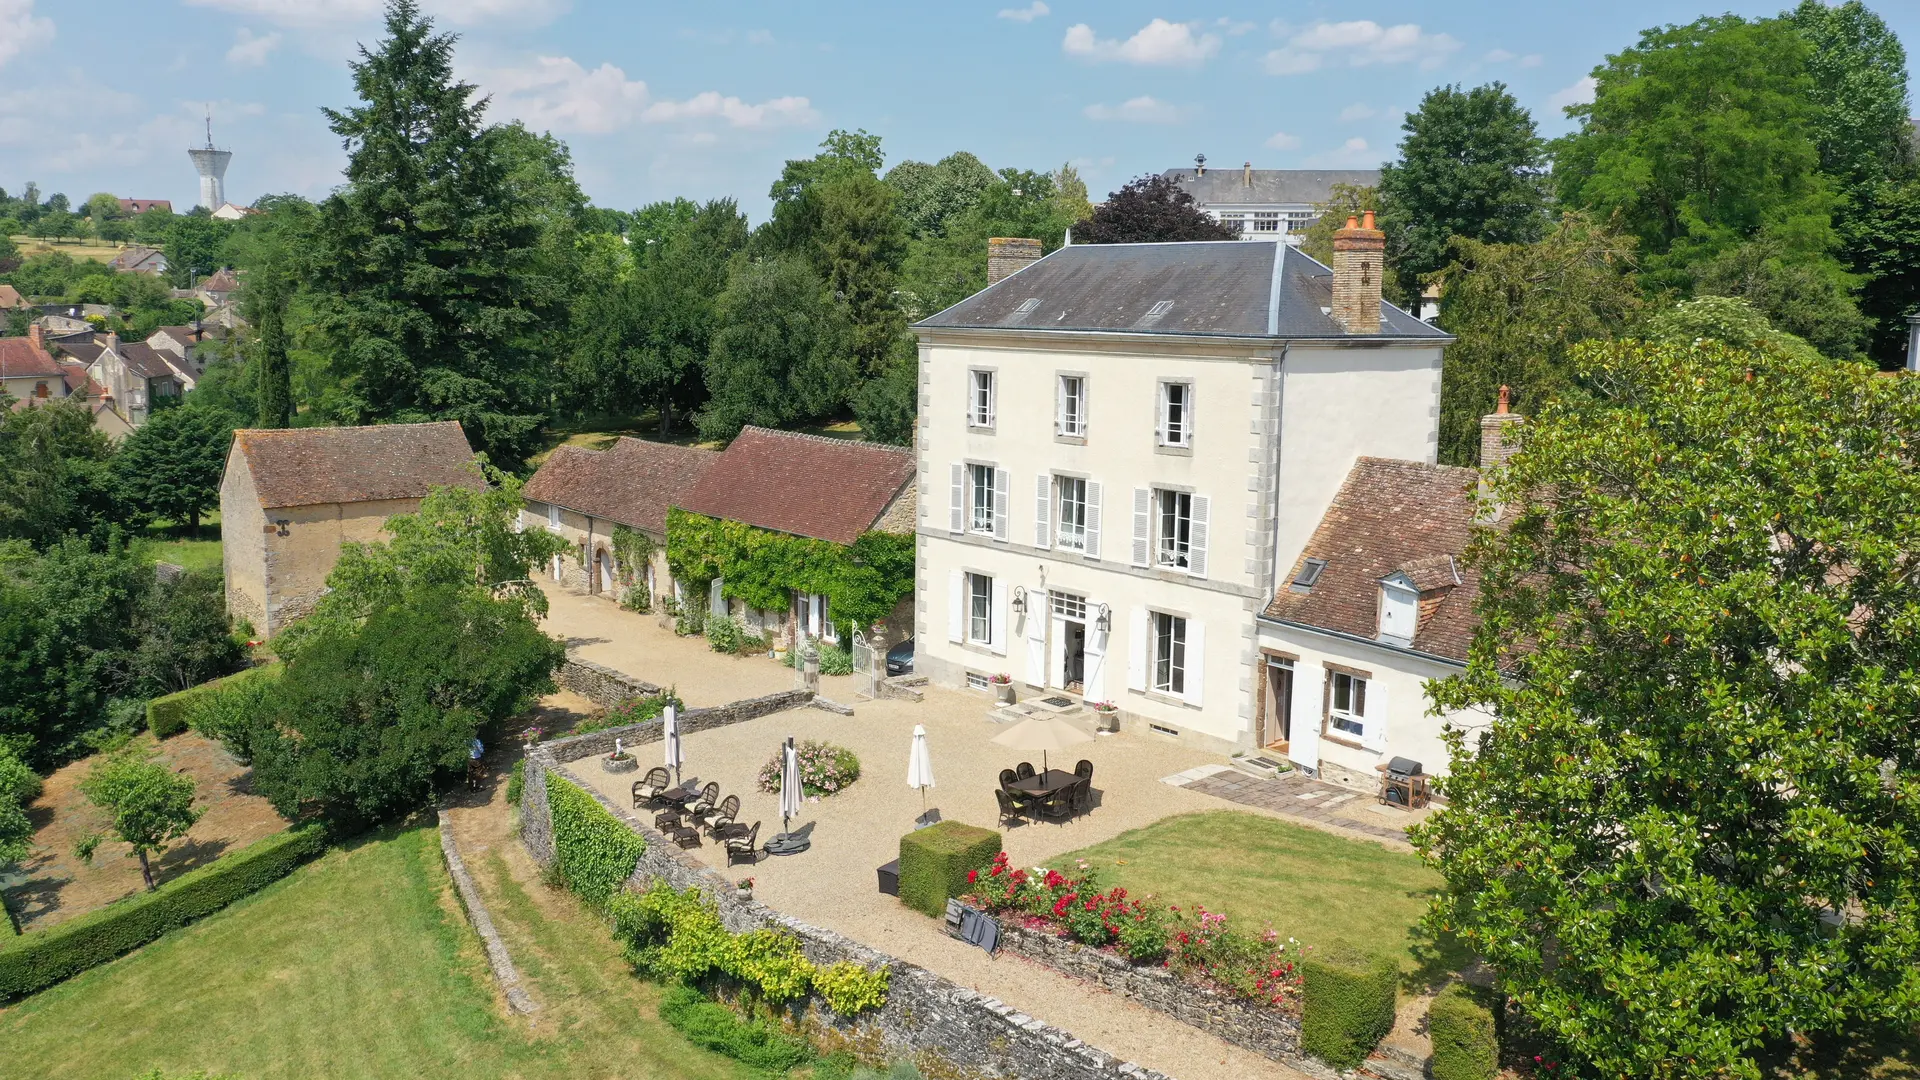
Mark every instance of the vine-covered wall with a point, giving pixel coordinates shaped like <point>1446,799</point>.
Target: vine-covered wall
<point>863,582</point>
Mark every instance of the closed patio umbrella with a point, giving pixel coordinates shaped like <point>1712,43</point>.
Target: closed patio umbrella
<point>670,734</point>
<point>789,785</point>
<point>920,764</point>
<point>1043,733</point>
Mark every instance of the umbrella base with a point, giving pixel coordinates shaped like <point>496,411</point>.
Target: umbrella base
<point>788,844</point>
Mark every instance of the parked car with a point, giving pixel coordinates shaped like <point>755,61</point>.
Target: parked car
<point>900,658</point>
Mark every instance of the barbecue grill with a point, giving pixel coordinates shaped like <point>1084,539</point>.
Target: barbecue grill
<point>1403,783</point>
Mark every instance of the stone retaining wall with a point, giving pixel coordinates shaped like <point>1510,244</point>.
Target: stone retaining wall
<point>691,720</point>
<point>600,684</point>
<point>951,1032</point>
<point>498,958</point>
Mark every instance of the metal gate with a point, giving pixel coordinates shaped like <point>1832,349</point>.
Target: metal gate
<point>864,675</point>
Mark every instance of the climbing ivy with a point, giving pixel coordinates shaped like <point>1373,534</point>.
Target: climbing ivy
<point>862,582</point>
<point>631,550</point>
<point>594,851</point>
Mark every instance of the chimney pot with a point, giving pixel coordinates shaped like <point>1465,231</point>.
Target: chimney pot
<point>1359,255</point>
<point>1499,433</point>
<point>1009,254</point>
<point>1367,222</point>
<point>36,336</point>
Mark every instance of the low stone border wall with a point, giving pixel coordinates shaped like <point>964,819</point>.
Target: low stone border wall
<point>950,1030</point>
<point>575,747</point>
<point>601,684</point>
<point>504,972</point>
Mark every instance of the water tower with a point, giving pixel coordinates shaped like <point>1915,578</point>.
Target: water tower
<point>211,164</point>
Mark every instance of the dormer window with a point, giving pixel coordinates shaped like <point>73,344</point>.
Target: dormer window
<point>1399,609</point>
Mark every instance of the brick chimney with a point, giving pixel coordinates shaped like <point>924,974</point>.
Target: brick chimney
<point>1499,432</point>
<point>1007,254</point>
<point>1359,251</point>
<point>1246,174</point>
<point>36,336</point>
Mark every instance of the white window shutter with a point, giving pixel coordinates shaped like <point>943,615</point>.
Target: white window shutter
<point>958,523</point>
<point>1042,510</point>
<point>1196,661</point>
<point>1309,697</point>
<point>1197,537</point>
<point>1036,640</point>
<point>997,619</point>
<point>1093,520</point>
<point>956,606</point>
<point>1160,419</point>
<point>1137,649</point>
<point>1095,686</point>
<point>1002,485</point>
<point>1373,726</point>
<point>1142,526</point>
<point>1059,405</point>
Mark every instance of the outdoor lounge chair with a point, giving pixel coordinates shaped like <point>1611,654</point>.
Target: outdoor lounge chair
<point>709,795</point>
<point>649,788</point>
<point>728,809</point>
<point>741,846</point>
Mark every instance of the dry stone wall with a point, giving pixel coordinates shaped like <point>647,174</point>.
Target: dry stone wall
<point>600,684</point>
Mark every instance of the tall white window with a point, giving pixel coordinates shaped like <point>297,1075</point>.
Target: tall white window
<point>980,498</point>
<point>553,517</point>
<point>1072,533</point>
<point>1071,416</point>
<point>1266,221</point>
<point>979,609</point>
<point>1169,653</point>
<point>1176,414</point>
<point>1174,535</point>
<point>980,399</point>
<point>1347,704</point>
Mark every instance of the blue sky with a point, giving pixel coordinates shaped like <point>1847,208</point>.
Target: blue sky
<point>702,100</point>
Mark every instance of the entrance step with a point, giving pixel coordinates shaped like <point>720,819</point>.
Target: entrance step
<point>1055,704</point>
<point>1265,765</point>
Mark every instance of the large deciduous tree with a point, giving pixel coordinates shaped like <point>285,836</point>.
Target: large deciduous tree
<point>780,353</point>
<point>1150,209</point>
<point>56,475</point>
<point>428,261</point>
<point>1471,165</point>
<point>1691,827</point>
<point>171,465</point>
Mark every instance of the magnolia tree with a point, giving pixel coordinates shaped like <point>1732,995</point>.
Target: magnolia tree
<point>1691,829</point>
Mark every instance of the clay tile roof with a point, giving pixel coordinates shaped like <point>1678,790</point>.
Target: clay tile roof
<point>1391,517</point>
<point>144,361</point>
<point>20,358</point>
<point>221,281</point>
<point>807,485</point>
<point>10,298</point>
<point>632,482</point>
<point>311,466</point>
<point>79,382</point>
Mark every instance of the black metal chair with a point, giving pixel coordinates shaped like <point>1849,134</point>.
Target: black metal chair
<point>741,846</point>
<point>1025,770</point>
<point>648,789</point>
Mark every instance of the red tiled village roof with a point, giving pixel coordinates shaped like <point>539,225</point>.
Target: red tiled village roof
<point>807,485</point>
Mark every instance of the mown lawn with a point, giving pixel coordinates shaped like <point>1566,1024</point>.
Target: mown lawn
<point>195,555</point>
<point>359,965</point>
<point>1323,889</point>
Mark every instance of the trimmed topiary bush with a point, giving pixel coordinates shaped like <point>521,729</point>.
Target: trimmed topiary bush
<point>1465,1046</point>
<point>594,851</point>
<point>44,957</point>
<point>934,862</point>
<point>1347,1005</point>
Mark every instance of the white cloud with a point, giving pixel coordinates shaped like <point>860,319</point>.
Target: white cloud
<point>1280,140</point>
<point>1158,42</point>
<point>1354,153</point>
<point>1498,56</point>
<point>20,29</point>
<point>1140,110</point>
<point>1026,14</point>
<point>557,94</point>
<point>1579,93</point>
<point>344,12</point>
<point>251,51</point>
<point>1532,60</point>
<point>1234,28</point>
<point>1359,111</point>
<point>1359,43</point>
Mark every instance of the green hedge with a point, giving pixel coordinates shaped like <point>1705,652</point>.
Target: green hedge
<point>1461,1026</point>
<point>172,714</point>
<point>934,862</point>
<point>44,957</point>
<point>595,851</point>
<point>715,1027</point>
<point>1347,1005</point>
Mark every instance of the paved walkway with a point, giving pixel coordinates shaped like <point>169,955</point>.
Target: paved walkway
<point>1296,796</point>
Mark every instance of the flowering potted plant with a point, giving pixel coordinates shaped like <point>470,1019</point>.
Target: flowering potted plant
<point>1002,688</point>
<point>619,760</point>
<point>1106,715</point>
<point>744,888</point>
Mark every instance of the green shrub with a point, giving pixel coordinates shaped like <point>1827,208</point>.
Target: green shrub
<point>934,862</point>
<point>825,769</point>
<point>1347,1007</point>
<point>1464,1044</point>
<point>835,660</point>
<point>516,782</point>
<point>715,1027</point>
<point>44,957</point>
<point>850,989</point>
<point>167,715</point>
<point>224,708</point>
<point>724,634</point>
<point>634,710</point>
<point>594,850</point>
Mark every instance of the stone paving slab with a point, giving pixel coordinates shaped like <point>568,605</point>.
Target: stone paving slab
<point>1292,794</point>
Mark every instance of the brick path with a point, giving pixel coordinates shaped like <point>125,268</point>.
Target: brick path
<point>1295,795</point>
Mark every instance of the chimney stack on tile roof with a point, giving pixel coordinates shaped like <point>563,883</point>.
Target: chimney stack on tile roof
<point>1007,254</point>
<point>1359,253</point>
<point>36,336</point>
<point>1499,435</point>
<point>1246,174</point>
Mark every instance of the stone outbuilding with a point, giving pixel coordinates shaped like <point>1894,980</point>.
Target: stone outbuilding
<point>291,497</point>
<point>583,495</point>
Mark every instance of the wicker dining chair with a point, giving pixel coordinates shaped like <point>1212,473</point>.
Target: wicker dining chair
<point>648,789</point>
<point>1083,769</point>
<point>741,847</point>
<point>728,809</point>
<point>1025,770</point>
<point>1010,811</point>
<point>1008,777</point>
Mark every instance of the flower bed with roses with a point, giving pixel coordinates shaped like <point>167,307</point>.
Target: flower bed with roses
<point>1197,945</point>
<point>824,769</point>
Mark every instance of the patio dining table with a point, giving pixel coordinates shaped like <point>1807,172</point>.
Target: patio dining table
<point>1045,783</point>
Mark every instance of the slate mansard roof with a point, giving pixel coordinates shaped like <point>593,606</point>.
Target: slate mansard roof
<point>1391,518</point>
<point>315,466</point>
<point>1270,187</point>
<point>1215,288</point>
<point>632,482</point>
<point>807,485</point>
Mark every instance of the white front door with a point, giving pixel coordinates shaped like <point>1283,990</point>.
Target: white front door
<point>1304,724</point>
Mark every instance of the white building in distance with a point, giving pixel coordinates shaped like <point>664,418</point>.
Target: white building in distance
<point>1266,204</point>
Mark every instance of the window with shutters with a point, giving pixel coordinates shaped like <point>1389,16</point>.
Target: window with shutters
<point>980,403</point>
<point>1070,418</point>
<point>1176,414</point>
<point>1072,531</point>
<point>979,609</point>
<point>1173,532</point>
<point>1346,704</point>
<point>1169,653</point>
<point>980,517</point>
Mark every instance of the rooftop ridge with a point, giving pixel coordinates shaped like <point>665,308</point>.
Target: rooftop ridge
<point>861,443</point>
